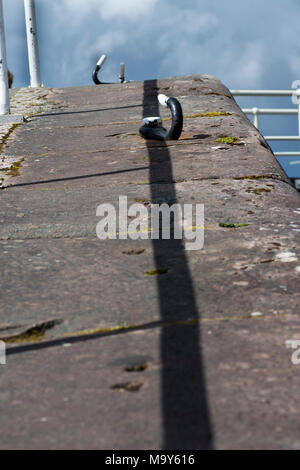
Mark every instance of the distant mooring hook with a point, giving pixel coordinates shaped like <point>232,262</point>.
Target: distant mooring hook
<point>98,68</point>
<point>152,126</point>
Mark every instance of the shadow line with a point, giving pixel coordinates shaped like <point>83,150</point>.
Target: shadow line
<point>186,421</point>
<point>62,113</point>
<point>80,337</point>
<point>72,178</point>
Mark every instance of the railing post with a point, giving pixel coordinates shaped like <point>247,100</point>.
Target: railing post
<point>122,73</point>
<point>32,43</point>
<point>255,117</point>
<point>4,93</point>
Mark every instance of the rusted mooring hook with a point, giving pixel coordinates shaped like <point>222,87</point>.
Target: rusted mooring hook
<point>98,68</point>
<point>152,126</point>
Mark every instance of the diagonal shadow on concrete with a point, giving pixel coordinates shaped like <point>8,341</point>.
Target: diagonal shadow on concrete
<point>185,411</point>
<point>72,178</point>
<point>84,111</point>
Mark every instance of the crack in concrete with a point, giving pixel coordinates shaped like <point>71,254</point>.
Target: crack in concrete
<point>84,335</point>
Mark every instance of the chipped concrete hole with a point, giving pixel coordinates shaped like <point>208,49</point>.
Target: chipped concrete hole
<point>131,365</point>
<point>232,225</point>
<point>141,367</point>
<point>28,333</point>
<point>127,386</point>
<point>134,251</point>
<point>131,386</point>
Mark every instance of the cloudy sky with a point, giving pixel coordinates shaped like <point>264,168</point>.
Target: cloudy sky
<point>245,44</point>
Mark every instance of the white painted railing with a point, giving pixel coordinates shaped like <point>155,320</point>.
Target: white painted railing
<point>33,58</point>
<point>32,43</point>
<point>263,92</point>
<point>256,112</point>
<point>4,95</point>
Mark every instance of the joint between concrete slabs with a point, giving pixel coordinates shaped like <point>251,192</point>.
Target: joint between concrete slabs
<point>93,334</point>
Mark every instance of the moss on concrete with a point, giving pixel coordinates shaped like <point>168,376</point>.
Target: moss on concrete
<point>227,140</point>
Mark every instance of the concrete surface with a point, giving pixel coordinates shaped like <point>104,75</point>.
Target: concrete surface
<point>206,338</point>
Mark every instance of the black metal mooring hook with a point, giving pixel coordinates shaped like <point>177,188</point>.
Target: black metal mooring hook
<point>99,66</point>
<point>152,126</point>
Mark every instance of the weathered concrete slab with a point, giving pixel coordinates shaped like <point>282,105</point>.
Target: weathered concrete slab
<point>56,209</point>
<point>88,140</point>
<point>236,300</point>
<point>80,159</point>
<point>232,269</point>
<point>128,391</point>
<point>72,160</point>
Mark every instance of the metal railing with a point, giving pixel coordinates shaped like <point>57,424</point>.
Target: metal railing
<point>33,58</point>
<point>256,112</point>
<point>32,43</point>
<point>4,95</point>
<point>99,66</point>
